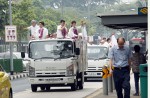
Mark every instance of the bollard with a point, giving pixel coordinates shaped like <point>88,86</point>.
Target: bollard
<point>113,83</point>
<point>110,82</point>
<point>105,80</point>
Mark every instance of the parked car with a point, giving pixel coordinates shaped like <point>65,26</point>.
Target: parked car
<point>16,55</point>
<point>5,85</point>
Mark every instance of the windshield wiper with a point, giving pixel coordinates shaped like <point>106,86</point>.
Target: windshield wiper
<point>44,58</point>
<point>64,57</point>
<point>91,58</point>
<point>100,58</point>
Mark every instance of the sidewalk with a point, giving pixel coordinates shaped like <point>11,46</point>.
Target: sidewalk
<point>99,92</point>
<point>112,95</point>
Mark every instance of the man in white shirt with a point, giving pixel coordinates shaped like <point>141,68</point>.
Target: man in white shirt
<point>113,40</point>
<point>33,28</point>
<point>73,31</point>
<point>62,30</point>
<point>82,29</point>
<point>42,32</point>
<point>104,43</point>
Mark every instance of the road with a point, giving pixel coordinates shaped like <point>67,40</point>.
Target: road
<point>21,89</point>
<point>20,85</point>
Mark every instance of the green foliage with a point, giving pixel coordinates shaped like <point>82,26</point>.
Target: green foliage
<point>3,15</point>
<point>50,25</point>
<point>50,11</point>
<point>22,15</point>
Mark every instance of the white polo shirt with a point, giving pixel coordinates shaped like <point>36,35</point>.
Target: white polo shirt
<point>33,29</point>
<point>45,33</point>
<point>59,33</point>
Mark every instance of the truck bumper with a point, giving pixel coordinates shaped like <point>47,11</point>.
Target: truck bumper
<point>93,74</point>
<point>52,80</point>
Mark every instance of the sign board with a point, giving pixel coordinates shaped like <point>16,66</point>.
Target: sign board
<point>10,34</point>
<point>143,11</point>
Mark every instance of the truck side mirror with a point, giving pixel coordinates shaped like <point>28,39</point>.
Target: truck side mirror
<point>77,51</point>
<point>23,54</point>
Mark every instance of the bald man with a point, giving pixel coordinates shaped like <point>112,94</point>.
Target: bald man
<point>120,56</point>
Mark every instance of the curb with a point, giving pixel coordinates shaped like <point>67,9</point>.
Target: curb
<point>95,93</point>
<point>18,76</point>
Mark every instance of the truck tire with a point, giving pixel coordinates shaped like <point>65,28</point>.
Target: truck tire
<point>74,85</point>
<point>80,83</point>
<point>42,88</point>
<point>33,88</point>
<point>10,94</point>
<point>48,88</point>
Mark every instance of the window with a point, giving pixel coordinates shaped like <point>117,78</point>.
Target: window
<point>97,52</point>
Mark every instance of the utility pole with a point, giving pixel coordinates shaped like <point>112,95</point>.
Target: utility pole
<point>62,9</point>
<point>11,47</point>
<point>89,13</point>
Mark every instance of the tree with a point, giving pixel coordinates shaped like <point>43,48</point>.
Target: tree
<point>3,16</point>
<point>22,15</point>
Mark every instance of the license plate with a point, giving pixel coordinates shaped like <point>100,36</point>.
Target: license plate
<point>92,74</point>
<point>98,73</point>
<point>52,79</point>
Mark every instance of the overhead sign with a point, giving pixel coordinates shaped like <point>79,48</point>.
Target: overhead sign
<point>143,11</point>
<point>10,34</point>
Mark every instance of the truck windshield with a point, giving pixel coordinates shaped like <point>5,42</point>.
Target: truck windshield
<point>51,49</point>
<point>97,53</point>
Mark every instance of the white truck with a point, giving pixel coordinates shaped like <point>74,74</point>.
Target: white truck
<point>97,58</point>
<point>57,62</point>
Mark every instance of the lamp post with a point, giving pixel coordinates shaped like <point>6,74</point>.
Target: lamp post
<point>11,50</point>
<point>89,13</point>
<point>62,9</point>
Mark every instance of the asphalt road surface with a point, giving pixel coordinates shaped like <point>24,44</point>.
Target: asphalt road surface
<point>21,89</point>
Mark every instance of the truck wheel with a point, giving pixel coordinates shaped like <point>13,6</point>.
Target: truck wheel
<point>42,88</point>
<point>48,88</point>
<point>33,88</point>
<point>10,94</point>
<point>74,85</point>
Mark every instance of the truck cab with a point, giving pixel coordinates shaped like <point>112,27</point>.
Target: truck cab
<point>56,62</point>
<point>97,58</point>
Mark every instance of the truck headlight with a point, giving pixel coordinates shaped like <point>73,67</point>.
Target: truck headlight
<point>29,63</point>
<point>70,70</point>
<point>31,71</point>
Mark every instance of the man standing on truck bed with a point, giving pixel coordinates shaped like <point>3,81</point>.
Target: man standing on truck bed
<point>42,31</point>
<point>33,28</point>
<point>62,30</point>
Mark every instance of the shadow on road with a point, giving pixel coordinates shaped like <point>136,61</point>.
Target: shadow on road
<point>56,90</point>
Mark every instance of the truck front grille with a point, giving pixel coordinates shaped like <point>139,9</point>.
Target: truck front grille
<point>50,76</point>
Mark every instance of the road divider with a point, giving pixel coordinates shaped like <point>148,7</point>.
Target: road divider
<point>18,76</point>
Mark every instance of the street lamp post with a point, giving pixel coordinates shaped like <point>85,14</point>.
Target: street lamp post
<point>62,9</point>
<point>89,13</point>
<point>11,50</point>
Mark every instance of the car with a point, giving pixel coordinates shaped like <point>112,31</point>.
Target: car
<point>97,58</point>
<point>16,55</point>
<point>5,85</point>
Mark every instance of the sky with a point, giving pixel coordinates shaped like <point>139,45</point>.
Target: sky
<point>129,0</point>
